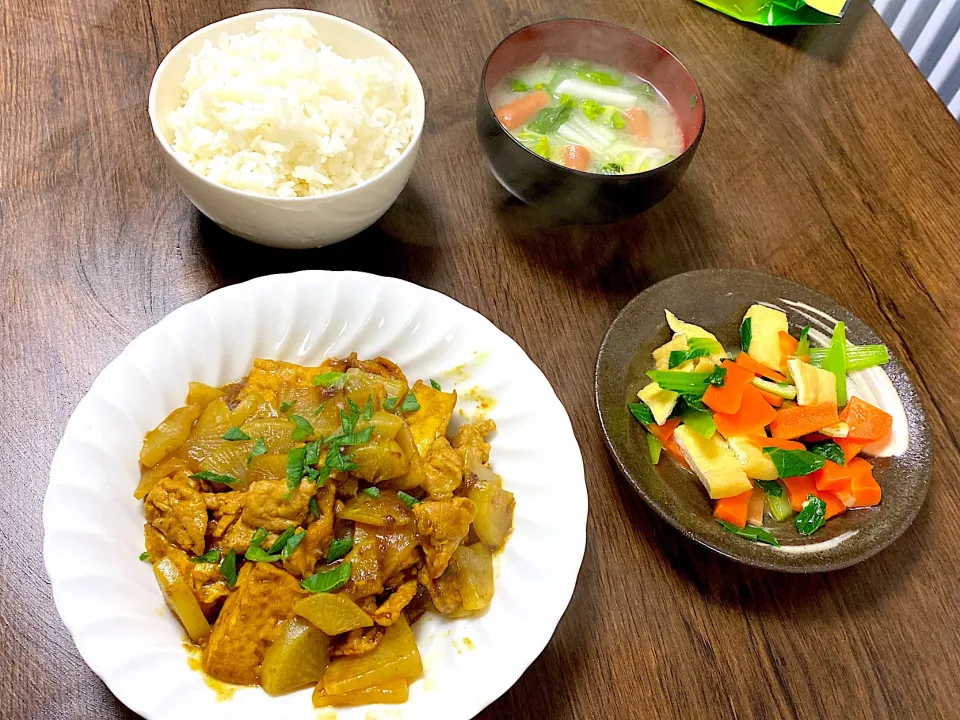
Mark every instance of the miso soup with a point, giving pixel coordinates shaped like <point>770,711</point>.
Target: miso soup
<point>588,117</point>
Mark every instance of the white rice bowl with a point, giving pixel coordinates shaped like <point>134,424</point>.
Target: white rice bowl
<point>276,112</point>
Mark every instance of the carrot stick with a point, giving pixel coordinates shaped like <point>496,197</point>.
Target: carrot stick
<point>727,399</point>
<point>576,157</point>
<point>761,442</point>
<point>864,488</point>
<point>522,110</point>
<point>759,368</point>
<point>734,509</point>
<point>797,421</point>
<point>866,421</point>
<point>638,123</point>
<point>751,419</point>
<point>788,346</point>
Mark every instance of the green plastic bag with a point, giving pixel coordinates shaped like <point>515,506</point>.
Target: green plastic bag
<point>781,12</point>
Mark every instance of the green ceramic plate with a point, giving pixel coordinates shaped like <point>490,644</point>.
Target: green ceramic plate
<point>716,299</point>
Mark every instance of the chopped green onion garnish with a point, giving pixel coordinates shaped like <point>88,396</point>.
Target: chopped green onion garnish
<point>292,544</point>
<point>328,379</point>
<point>339,548</point>
<point>284,406</point>
<point>406,499</point>
<point>211,556</point>
<point>303,428</point>
<point>295,458</point>
<point>329,580</point>
<point>259,448</point>
<point>235,433</point>
<point>228,568</point>
<point>371,491</point>
<point>214,477</point>
<point>144,555</point>
<point>410,404</point>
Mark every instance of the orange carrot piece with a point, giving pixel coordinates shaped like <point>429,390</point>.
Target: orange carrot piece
<point>638,123</point>
<point>761,442</point>
<point>727,399</point>
<point>522,110</point>
<point>866,421</point>
<point>759,368</point>
<point>835,506</point>
<point>797,421</point>
<point>788,346</point>
<point>864,488</point>
<point>755,509</point>
<point>798,488</point>
<point>774,400</point>
<point>751,419</point>
<point>575,157</point>
<point>851,448</point>
<point>832,477</point>
<point>734,509</point>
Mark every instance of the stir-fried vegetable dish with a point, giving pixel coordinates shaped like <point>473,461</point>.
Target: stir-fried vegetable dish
<point>771,431</point>
<point>588,117</point>
<point>300,520</point>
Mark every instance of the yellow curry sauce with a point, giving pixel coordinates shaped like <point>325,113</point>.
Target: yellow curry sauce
<point>300,520</point>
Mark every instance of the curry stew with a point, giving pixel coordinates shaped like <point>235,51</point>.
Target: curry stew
<point>299,522</point>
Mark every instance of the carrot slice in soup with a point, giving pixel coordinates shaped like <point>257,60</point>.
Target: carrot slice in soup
<point>734,509</point>
<point>759,368</point>
<point>866,421</point>
<point>576,157</point>
<point>638,123</point>
<point>522,110</point>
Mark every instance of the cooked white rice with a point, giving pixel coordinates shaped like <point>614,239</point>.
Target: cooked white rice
<point>277,112</point>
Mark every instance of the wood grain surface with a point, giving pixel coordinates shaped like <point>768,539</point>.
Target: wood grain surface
<point>826,159</point>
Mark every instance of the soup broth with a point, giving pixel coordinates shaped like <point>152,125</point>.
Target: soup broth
<point>588,117</point>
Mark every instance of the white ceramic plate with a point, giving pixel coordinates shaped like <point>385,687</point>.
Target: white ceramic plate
<point>93,527</point>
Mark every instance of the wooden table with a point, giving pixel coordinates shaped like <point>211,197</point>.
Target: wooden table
<point>826,159</point>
